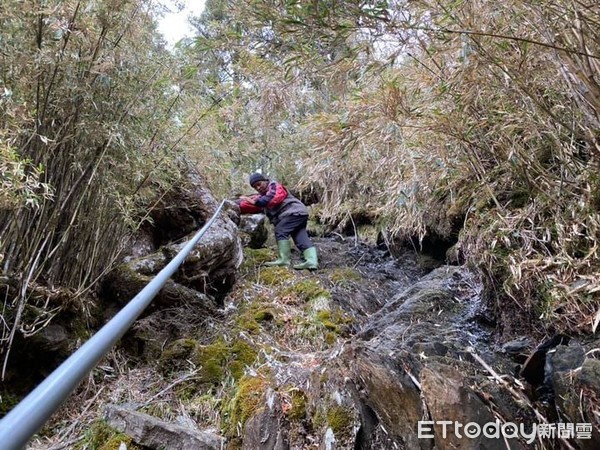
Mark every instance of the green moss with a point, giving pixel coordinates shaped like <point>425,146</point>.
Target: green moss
<point>330,338</point>
<point>331,326</point>
<point>307,289</point>
<point>253,314</point>
<point>297,411</point>
<point>248,323</point>
<point>324,314</point>
<point>333,320</point>
<point>320,325</point>
<point>264,315</point>
<point>212,359</point>
<point>343,275</point>
<point>248,399</point>
<point>340,420</point>
<point>174,357</point>
<point>254,257</point>
<point>319,419</point>
<point>325,317</point>
<point>220,357</point>
<point>242,355</point>
<point>100,436</point>
<point>129,282</point>
<point>273,276</point>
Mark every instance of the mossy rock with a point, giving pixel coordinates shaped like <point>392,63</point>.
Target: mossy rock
<point>330,338</point>
<point>248,399</point>
<point>273,276</point>
<point>242,355</point>
<point>340,419</point>
<point>306,290</point>
<point>124,283</point>
<point>211,359</point>
<point>214,360</point>
<point>264,315</point>
<point>334,320</point>
<point>319,419</point>
<point>253,315</point>
<point>247,322</point>
<point>297,411</point>
<point>220,357</point>
<point>325,318</point>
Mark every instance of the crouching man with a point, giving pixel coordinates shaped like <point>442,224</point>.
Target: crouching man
<point>288,215</point>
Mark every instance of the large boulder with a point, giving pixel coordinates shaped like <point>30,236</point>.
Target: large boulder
<point>211,266</point>
<point>197,288</point>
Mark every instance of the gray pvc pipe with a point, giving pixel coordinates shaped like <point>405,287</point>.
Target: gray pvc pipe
<point>25,419</point>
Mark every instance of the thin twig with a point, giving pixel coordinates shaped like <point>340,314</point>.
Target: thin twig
<point>186,377</point>
<point>71,427</point>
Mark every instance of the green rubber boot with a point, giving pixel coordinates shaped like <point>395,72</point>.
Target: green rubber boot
<point>311,260</point>
<point>285,254</point>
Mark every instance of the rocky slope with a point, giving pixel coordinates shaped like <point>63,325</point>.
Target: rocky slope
<point>352,356</point>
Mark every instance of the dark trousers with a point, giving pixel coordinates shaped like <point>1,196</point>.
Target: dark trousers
<point>294,226</point>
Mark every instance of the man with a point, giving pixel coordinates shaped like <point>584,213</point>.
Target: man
<point>289,216</point>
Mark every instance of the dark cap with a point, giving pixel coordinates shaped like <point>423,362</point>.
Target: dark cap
<point>256,177</point>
